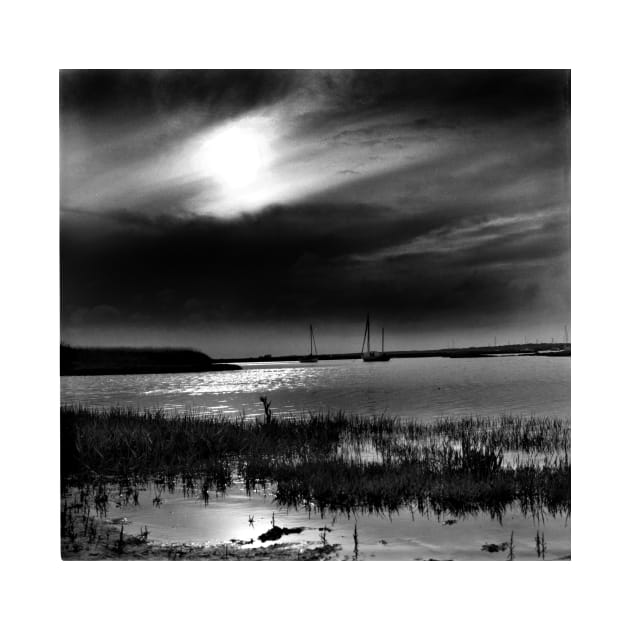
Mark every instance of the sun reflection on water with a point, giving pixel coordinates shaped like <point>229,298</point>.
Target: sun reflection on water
<point>423,388</point>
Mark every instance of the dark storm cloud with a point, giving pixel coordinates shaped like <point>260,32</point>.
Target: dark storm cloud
<point>445,98</point>
<point>497,93</point>
<point>488,93</point>
<point>291,262</point>
<point>146,92</point>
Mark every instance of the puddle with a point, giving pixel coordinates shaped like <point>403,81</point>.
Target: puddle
<point>241,519</point>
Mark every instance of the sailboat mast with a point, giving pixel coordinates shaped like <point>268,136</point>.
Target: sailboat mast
<point>368,332</point>
<point>382,340</point>
<point>311,329</point>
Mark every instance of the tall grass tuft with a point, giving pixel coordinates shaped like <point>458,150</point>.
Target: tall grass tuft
<point>326,461</point>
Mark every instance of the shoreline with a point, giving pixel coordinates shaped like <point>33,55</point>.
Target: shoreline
<point>78,361</point>
<point>517,350</point>
<point>166,369</point>
<point>107,542</point>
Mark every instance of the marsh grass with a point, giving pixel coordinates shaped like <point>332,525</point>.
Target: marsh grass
<point>326,461</point>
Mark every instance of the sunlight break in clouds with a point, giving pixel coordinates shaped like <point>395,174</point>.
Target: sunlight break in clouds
<point>436,200</point>
<point>238,165</point>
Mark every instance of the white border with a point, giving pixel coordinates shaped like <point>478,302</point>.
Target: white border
<point>43,37</point>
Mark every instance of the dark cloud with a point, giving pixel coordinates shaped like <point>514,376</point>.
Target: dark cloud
<point>291,263</point>
<point>442,99</point>
<point>146,92</point>
<point>496,93</point>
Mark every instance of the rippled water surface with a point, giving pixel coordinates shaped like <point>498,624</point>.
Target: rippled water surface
<point>424,388</point>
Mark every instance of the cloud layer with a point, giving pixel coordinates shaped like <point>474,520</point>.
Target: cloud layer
<point>438,201</point>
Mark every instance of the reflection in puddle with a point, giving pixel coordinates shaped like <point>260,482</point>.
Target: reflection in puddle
<point>399,535</point>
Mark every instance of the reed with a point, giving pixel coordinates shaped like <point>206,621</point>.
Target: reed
<point>334,461</point>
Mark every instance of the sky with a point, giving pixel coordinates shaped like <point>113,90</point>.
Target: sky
<point>228,210</point>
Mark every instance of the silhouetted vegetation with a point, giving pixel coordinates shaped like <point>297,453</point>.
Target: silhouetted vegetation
<point>99,361</point>
<point>326,461</point>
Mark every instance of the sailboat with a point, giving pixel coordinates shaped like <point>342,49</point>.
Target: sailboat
<point>311,358</point>
<point>373,355</point>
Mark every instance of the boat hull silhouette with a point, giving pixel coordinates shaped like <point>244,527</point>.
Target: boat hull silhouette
<point>375,356</point>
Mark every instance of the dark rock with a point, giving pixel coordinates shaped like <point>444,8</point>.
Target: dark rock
<point>275,533</point>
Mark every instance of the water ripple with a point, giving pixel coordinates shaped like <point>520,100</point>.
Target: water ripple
<point>423,388</point>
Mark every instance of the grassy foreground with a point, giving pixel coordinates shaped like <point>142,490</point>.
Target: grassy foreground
<point>323,462</point>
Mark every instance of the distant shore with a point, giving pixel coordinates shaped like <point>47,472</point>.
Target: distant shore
<point>77,361</point>
<point>101,361</point>
<point>529,349</point>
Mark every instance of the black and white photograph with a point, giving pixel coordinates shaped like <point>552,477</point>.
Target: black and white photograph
<point>290,282</point>
<point>315,314</point>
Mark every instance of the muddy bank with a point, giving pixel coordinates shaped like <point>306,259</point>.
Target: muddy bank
<point>106,542</point>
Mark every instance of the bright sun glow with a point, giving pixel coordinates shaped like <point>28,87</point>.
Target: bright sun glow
<point>235,156</point>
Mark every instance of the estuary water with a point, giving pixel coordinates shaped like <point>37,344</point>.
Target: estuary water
<point>423,388</point>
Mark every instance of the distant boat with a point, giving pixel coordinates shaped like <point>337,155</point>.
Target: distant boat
<point>311,358</point>
<point>373,355</point>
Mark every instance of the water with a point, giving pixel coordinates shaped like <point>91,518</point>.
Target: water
<point>398,535</point>
<point>424,388</point>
